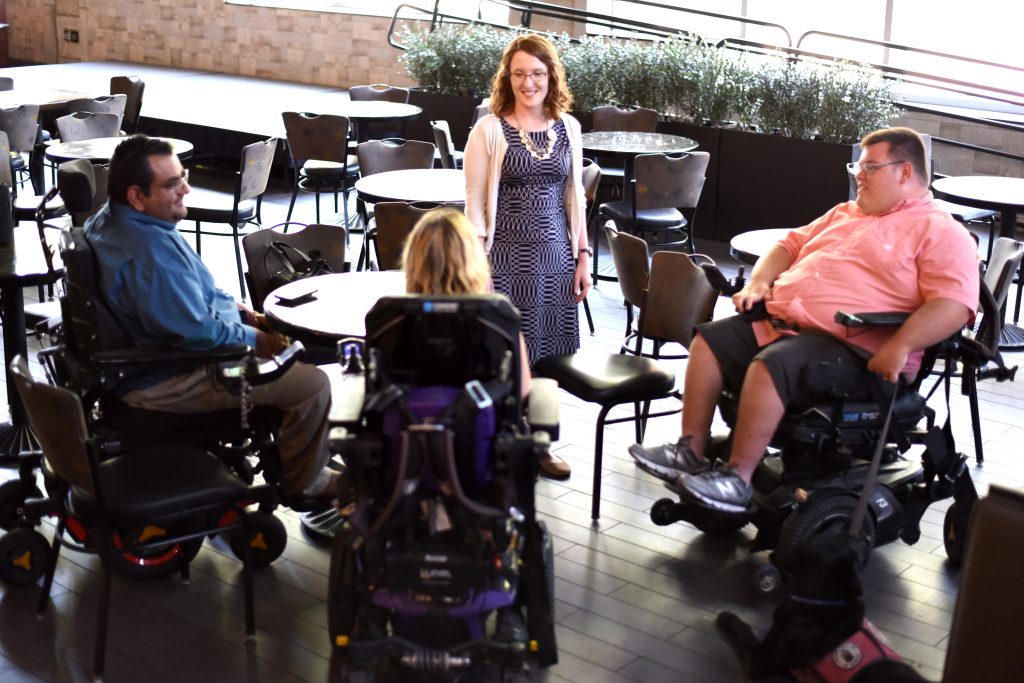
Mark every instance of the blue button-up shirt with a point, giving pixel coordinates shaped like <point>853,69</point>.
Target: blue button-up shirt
<point>158,287</point>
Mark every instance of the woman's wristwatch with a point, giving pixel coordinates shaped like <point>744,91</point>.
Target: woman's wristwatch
<point>589,251</point>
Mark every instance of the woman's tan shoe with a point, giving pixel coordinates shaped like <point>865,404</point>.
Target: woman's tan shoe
<point>554,467</point>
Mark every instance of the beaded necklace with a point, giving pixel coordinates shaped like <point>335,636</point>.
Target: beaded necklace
<point>538,153</point>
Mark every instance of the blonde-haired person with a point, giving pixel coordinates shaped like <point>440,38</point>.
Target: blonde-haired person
<point>524,196</point>
<point>443,256</point>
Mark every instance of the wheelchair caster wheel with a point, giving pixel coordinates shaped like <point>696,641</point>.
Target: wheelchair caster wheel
<point>663,512</point>
<point>767,580</point>
<point>954,535</point>
<point>23,556</point>
<point>13,495</point>
<point>156,561</point>
<point>267,538</point>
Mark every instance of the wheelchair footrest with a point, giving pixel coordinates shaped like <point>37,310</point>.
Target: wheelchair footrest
<point>457,659</point>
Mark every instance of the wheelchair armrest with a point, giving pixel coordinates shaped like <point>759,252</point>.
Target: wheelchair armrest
<point>134,358</point>
<point>263,370</point>
<point>876,319</point>
<point>544,406</point>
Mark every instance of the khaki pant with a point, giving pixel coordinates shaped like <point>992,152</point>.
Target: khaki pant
<point>303,393</point>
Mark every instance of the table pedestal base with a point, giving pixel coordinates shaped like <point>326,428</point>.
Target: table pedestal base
<point>322,525</point>
<point>15,439</point>
<point>1012,338</point>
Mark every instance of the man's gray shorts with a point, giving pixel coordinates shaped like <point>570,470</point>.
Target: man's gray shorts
<point>734,345</point>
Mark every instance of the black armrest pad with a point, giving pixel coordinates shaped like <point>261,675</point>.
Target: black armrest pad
<point>876,319</point>
<point>136,357</point>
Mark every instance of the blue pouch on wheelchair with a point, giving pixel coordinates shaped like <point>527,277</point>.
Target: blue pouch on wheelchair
<point>472,424</point>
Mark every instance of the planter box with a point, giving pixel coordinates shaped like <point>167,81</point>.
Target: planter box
<point>457,110</point>
<point>770,181</point>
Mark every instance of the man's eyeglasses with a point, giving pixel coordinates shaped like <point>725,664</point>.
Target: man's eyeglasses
<point>174,184</point>
<point>537,76</point>
<point>869,167</point>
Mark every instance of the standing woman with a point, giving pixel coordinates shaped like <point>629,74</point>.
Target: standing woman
<point>524,195</point>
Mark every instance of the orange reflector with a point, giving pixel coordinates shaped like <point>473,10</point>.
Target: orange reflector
<point>24,561</point>
<point>800,495</point>
<point>151,531</point>
<point>341,641</point>
<point>258,542</point>
<point>533,646</point>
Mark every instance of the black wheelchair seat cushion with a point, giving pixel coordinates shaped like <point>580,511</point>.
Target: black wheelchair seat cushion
<point>607,378</point>
<point>122,417</point>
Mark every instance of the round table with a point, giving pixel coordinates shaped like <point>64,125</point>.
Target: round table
<point>101,149</point>
<point>749,246</point>
<point>339,307</point>
<point>630,143</point>
<point>370,111</point>
<point>440,185</point>
<point>997,193</point>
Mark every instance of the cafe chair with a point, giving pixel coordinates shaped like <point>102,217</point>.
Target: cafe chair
<point>670,293</point>
<point>316,241</point>
<point>392,225</point>
<point>610,117</point>
<point>379,92</point>
<point>132,87</point>
<point>482,110</point>
<point>318,147</point>
<point>237,208</point>
<point>392,154</point>
<point>445,147</point>
<point>104,104</point>
<point>179,489</point>
<point>591,176</point>
<point>667,189</point>
<point>21,124</point>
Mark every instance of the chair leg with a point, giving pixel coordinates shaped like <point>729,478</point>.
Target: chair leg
<point>102,613</point>
<point>291,204</point>
<point>316,195</point>
<point>51,567</point>
<point>238,260</point>
<point>590,318</point>
<point>595,495</point>
<point>199,244</point>
<point>970,387</point>
<point>247,590</point>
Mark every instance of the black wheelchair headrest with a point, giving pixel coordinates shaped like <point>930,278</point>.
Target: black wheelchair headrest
<point>447,340</point>
<point>77,184</point>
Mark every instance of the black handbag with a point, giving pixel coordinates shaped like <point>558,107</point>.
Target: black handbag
<point>292,264</point>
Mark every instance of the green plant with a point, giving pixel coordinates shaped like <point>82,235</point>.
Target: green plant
<point>854,101</point>
<point>454,59</point>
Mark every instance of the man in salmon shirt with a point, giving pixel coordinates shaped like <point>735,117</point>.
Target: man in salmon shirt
<point>892,249</point>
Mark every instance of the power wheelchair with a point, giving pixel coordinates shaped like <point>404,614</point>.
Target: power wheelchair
<point>814,472</point>
<point>91,356</point>
<point>443,465</point>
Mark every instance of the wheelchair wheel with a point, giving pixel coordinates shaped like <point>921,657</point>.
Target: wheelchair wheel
<point>663,512</point>
<point>23,556</point>
<point>954,535</point>
<point>828,512</point>
<point>267,538</point>
<point>12,496</point>
<point>157,562</point>
<point>767,580</point>
<point>341,593</point>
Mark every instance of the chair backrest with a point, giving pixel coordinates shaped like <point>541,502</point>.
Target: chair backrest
<point>85,125</point>
<point>679,296</point>
<point>5,168</point>
<point>316,241</point>
<point>316,136</point>
<point>132,87</point>
<point>83,188</point>
<point>58,421</point>
<point>638,119</point>
<point>482,110</point>
<point>670,181</point>
<point>982,646</point>
<point>394,154</point>
<point>254,173</point>
<point>395,220</point>
<point>1002,267</point>
<point>444,144</point>
<point>379,92</point>
<point>632,264</point>
<point>6,83</point>
<point>21,124</point>
<point>433,340</point>
<point>104,104</point>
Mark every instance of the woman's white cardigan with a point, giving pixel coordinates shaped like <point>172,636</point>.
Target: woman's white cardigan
<point>485,152</point>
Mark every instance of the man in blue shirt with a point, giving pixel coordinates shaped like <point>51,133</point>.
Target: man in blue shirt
<point>165,297</point>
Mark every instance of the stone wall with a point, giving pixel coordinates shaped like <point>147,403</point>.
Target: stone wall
<point>956,161</point>
<point>337,50</point>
